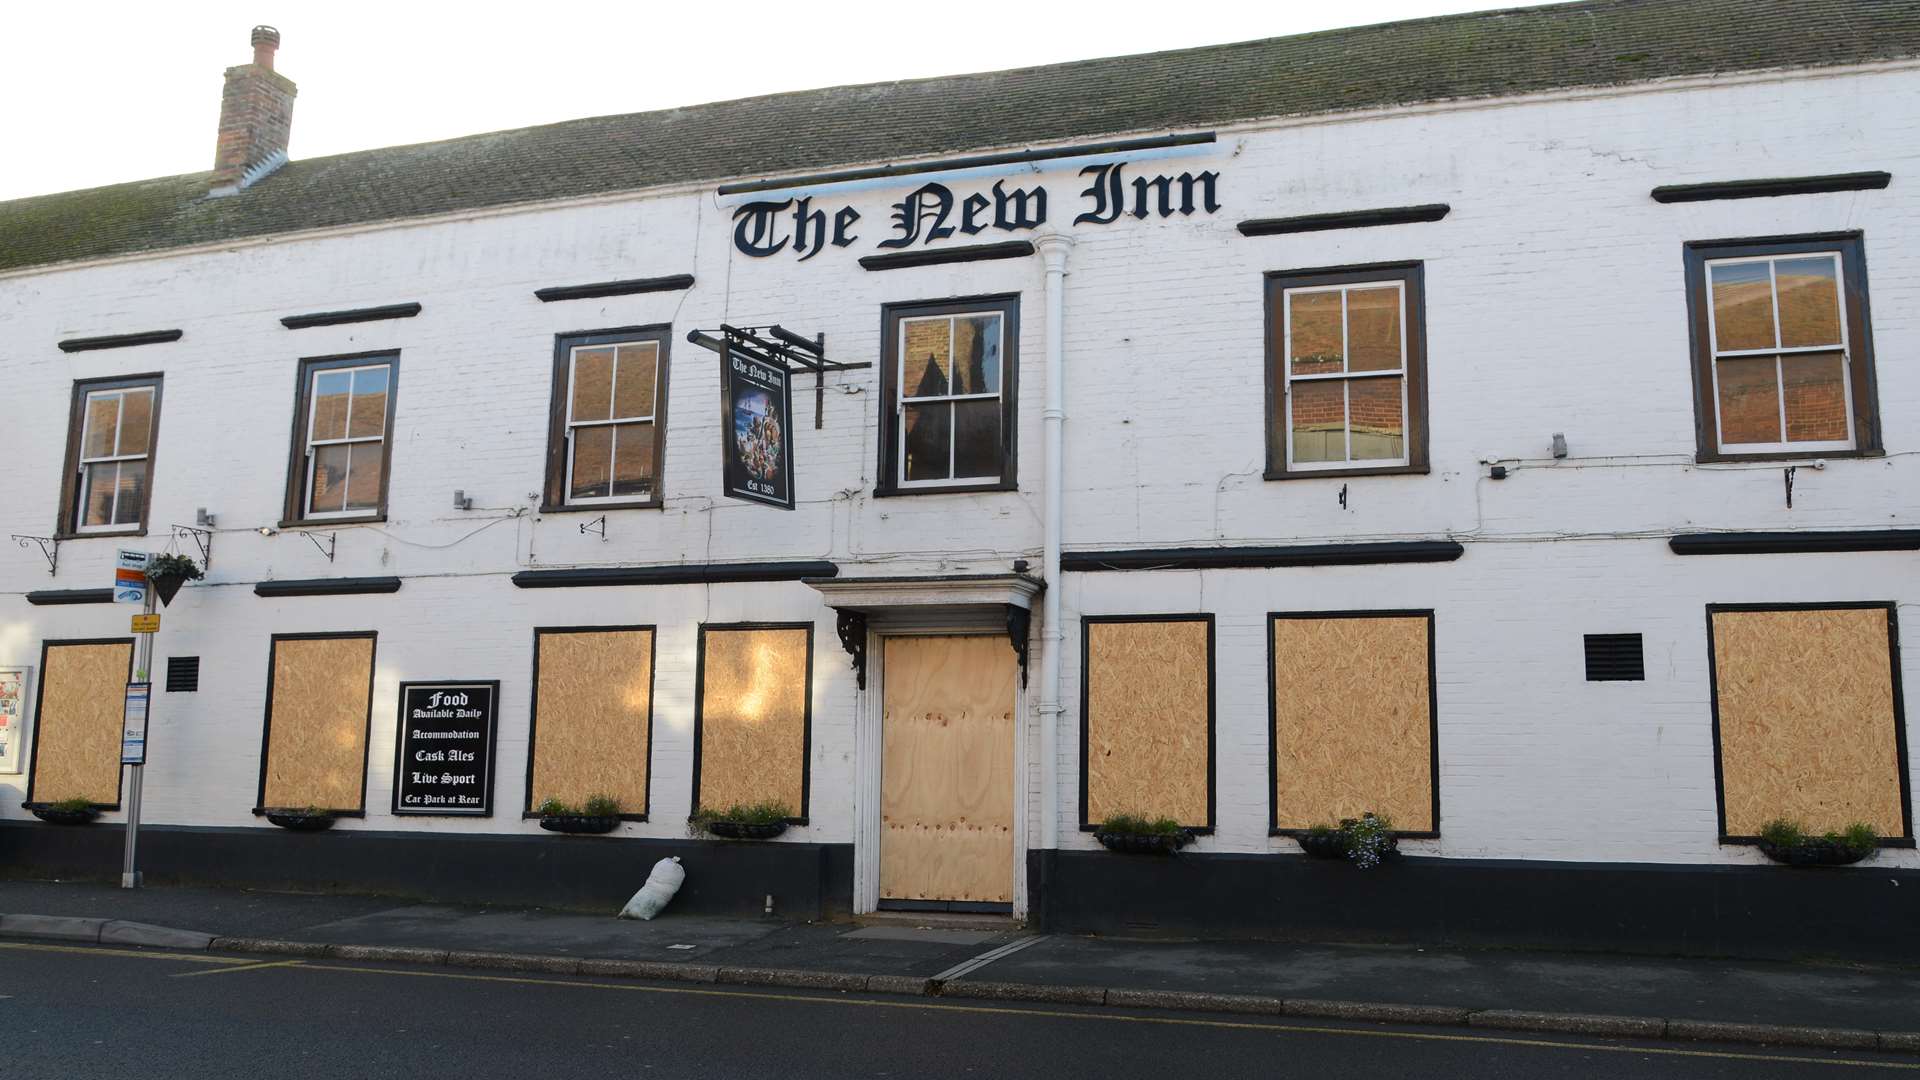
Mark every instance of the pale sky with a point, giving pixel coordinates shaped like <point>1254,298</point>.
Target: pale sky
<point>105,92</point>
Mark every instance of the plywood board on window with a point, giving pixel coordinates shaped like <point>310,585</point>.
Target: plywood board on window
<point>753,716</point>
<point>946,803</point>
<point>317,723</point>
<point>83,692</point>
<point>1352,720</point>
<point>1148,720</point>
<point>1807,723</point>
<point>593,708</point>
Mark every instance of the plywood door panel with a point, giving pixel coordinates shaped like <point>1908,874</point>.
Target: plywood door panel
<point>946,808</point>
<point>82,701</point>
<point>1807,724</point>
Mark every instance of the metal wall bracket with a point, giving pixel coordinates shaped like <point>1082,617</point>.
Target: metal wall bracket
<point>333,541</point>
<point>202,539</point>
<point>781,348</point>
<point>597,525</point>
<point>852,627</point>
<point>1019,627</point>
<point>49,549</point>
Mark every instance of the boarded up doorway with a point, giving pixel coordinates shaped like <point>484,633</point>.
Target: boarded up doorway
<point>946,805</point>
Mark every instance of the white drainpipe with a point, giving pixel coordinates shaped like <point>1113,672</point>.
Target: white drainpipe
<point>1053,250</point>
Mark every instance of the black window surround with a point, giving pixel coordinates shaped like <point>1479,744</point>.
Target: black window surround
<point>1410,277</point>
<point>554,494</point>
<point>1007,306</point>
<point>1863,387</point>
<point>68,525</point>
<point>293,513</point>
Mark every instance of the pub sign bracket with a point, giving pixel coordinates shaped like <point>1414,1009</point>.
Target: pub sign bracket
<point>779,347</point>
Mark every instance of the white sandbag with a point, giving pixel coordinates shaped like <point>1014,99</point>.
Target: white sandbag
<point>660,887</point>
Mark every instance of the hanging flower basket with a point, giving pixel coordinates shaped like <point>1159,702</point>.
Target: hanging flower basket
<point>746,830</point>
<point>64,813</point>
<point>302,820</point>
<point>166,573</point>
<point>580,823</point>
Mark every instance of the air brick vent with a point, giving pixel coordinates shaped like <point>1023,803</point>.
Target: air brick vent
<point>183,674</point>
<point>1615,658</point>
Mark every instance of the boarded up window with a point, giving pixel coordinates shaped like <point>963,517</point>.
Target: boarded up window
<point>1147,707</point>
<point>1806,716</point>
<point>319,690</point>
<point>592,716</point>
<point>1353,726</point>
<point>83,693</point>
<point>752,720</point>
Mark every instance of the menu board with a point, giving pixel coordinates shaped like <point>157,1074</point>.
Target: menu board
<point>444,762</point>
<point>13,718</point>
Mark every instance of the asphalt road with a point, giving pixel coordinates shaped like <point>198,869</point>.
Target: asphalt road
<point>85,1011</point>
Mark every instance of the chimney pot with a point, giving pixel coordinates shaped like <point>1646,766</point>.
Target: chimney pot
<point>265,41</point>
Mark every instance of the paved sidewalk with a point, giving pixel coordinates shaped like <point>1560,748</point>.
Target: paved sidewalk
<point>1449,984</point>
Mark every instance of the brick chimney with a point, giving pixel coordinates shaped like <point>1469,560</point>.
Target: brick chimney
<point>256,117</point>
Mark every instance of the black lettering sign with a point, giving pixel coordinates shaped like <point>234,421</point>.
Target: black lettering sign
<point>929,206</point>
<point>756,431</point>
<point>755,225</point>
<point>443,763</point>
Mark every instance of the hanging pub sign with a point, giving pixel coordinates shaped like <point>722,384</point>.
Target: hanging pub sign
<point>756,430</point>
<point>444,763</point>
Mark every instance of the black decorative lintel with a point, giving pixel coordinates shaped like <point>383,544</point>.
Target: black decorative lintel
<point>335,318</point>
<point>684,574</point>
<point>852,627</point>
<point>342,586</point>
<point>1019,628</point>
<point>1229,558</point>
<point>1346,219</point>
<point>119,341</point>
<point>1794,543</point>
<point>46,597</point>
<point>1010,249</point>
<point>1762,189</point>
<point>628,287</point>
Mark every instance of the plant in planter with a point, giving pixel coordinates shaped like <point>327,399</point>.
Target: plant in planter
<point>1141,834</point>
<point>1369,839</point>
<point>1784,841</point>
<point>307,818</point>
<point>74,811</point>
<point>742,821</point>
<point>1324,842</point>
<point>599,814</point>
<point>166,573</point>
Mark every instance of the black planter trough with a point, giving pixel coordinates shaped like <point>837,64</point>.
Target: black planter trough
<point>1144,843</point>
<point>1814,851</point>
<point>580,824</point>
<point>62,816</point>
<point>745,830</point>
<point>301,820</point>
<point>1330,845</point>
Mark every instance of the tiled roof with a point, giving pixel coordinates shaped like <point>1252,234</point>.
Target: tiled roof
<point>1594,43</point>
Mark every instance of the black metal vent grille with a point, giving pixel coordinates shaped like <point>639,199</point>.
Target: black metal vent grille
<point>1615,658</point>
<point>183,674</point>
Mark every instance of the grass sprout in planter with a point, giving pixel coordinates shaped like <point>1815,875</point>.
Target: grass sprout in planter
<point>599,814</point>
<point>1369,839</point>
<point>301,818</point>
<point>1141,834</point>
<point>75,811</point>
<point>742,821</point>
<point>1784,841</point>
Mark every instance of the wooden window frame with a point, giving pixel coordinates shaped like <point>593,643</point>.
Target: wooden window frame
<point>533,709</point>
<point>1087,622</point>
<point>1411,277</point>
<point>366,735</point>
<point>39,699</point>
<point>806,717</point>
<point>68,525</point>
<point>1007,305</point>
<point>1898,696</point>
<point>1433,714</point>
<point>1857,328</point>
<point>293,513</point>
<point>554,494</point>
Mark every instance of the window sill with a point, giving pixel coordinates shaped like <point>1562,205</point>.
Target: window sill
<point>1718,457</point>
<point>117,534</point>
<point>1341,474</point>
<point>885,492</point>
<point>323,523</point>
<point>591,508</point>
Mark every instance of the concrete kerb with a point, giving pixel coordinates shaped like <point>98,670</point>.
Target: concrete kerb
<point>110,931</point>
